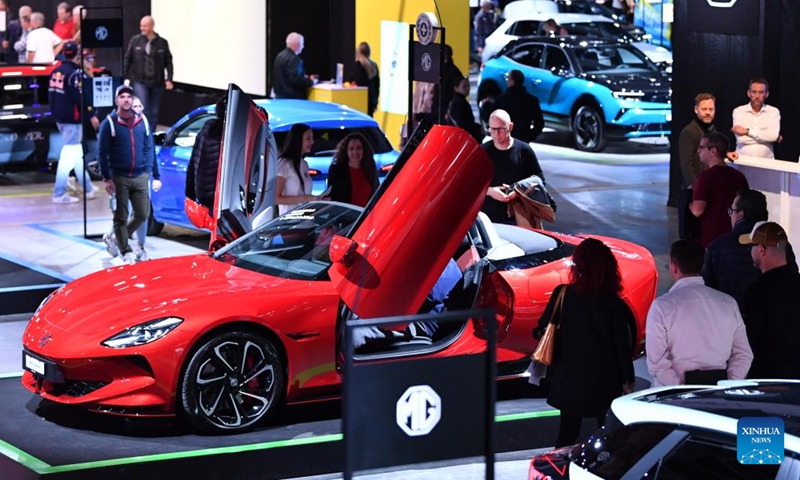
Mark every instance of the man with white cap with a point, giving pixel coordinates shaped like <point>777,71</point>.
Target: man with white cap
<point>771,304</point>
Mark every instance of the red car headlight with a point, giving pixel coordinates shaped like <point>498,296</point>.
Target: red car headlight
<point>143,333</point>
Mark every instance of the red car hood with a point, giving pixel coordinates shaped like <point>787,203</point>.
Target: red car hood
<point>151,290</point>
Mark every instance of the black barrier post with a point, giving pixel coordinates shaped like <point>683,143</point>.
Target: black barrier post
<point>427,56</point>
<point>393,404</point>
<point>96,33</point>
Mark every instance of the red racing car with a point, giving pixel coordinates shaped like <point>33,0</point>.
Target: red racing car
<point>226,337</point>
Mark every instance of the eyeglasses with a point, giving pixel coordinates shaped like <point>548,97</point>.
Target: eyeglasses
<point>731,210</point>
<point>498,129</point>
<point>701,147</point>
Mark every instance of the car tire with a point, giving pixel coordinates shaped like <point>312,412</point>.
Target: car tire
<point>154,227</point>
<point>232,382</point>
<point>93,169</point>
<point>588,129</point>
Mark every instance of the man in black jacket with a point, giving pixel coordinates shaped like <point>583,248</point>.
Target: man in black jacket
<point>146,61</point>
<point>289,79</point>
<point>460,112</point>
<point>451,75</point>
<point>728,266</point>
<point>770,305</point>
<point>524,108</point>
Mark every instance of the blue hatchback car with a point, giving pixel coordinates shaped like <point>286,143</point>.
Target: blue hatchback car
<point>330,123</point>
<point>594,89</point>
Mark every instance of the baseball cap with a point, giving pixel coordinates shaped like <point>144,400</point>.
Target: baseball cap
<point>123,89</point>
<point>769,234</point>
<point>70,49</point>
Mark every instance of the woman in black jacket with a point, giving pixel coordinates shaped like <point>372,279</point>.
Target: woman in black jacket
<point>367,75</point>
<point>201,175</point>
<point>592,360</point>
<point>353,176</point>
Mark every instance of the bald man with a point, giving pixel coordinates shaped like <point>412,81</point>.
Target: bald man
<point>15,36</point>
<point>148,67</point>
<point>513,160</point>
<point>289,79</point>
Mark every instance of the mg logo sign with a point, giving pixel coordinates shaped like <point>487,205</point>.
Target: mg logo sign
<point>721,3</point>
<point>101,32</point>
<point>419,409</point>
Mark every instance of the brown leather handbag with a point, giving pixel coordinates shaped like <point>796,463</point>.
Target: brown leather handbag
<point>544,351</point>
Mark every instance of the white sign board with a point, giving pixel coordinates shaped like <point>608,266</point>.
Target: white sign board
<point>394,67</point>
<point>102,92</point>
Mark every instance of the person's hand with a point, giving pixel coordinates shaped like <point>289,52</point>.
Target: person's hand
<point>95,123</point>
<point>497,193</point>
<point>314,78</point>
<point>739,130</point>
<point>168,85</point>
<point>110,187</point>
<point>5,44</point>
<point>732,156</point>
<point>127,82</point>
<point>156,184</point>
<point>627,388</point>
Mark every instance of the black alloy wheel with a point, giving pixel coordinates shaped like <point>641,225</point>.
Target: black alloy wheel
<point>588,129</point>
<point>154,227</point>
<point>231,383</point>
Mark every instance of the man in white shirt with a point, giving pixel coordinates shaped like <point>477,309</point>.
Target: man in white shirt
<point>756,125</point>
<point>43,44</point>
<point>693,328</point>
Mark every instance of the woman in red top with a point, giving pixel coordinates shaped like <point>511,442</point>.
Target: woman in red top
<point>353,176</point>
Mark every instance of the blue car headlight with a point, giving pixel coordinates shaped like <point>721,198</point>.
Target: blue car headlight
<point>143,333</point>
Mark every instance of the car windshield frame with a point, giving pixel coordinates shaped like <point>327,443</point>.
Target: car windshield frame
<point>579,52</point>
<point>294,245</point>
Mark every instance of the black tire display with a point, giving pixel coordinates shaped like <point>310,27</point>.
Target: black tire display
<point>154,227</point>
<point>588,129</point>
<point>231,383</point>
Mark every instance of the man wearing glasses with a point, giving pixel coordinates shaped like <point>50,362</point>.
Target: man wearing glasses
<point>770,305</point>
<point>715,188</point>
<point>756,125</point>
<point>513,160</point>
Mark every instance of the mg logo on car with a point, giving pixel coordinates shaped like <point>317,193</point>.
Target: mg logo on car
<point>721,3</point>
<point>419,409</point>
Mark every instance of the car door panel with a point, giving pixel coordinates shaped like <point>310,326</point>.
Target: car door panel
<point>412,226</point>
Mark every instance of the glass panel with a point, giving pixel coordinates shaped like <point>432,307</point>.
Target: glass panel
<point>187,134</point>
<point>611,455</point>
<point>697,458</point>
<point>556,60</point>
<point>326,139</point>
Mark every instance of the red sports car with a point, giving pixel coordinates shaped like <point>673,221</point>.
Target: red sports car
<point>225,337</point>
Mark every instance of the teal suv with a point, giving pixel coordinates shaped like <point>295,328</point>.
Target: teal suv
<point>596,90</point>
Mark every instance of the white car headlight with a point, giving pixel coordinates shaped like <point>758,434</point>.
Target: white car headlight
<point>143,333</point>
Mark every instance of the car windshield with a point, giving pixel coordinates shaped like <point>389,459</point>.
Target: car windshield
<point>613,59</point>
<point>326,139</point>
<point>294,245</point>
<point>604,30</point>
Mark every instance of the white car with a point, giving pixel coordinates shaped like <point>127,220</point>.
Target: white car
<point>522,7</point>
<point>687,432</point>
<point>578,24</point>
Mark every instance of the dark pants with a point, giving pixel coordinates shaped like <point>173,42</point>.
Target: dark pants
<point>134,190</point>
<point>151,100</point>
<point>688,224</point>
<point>569,428</point>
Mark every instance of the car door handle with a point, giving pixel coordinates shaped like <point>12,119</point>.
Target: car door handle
<point>537,81</point>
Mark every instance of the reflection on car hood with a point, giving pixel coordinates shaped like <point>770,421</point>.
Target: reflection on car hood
<point>150,290</point>
<point>654,85</point>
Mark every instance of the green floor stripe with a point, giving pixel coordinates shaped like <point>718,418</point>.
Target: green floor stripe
<point>193,453</point>
<point>22,458</point>
<point>526,416</point>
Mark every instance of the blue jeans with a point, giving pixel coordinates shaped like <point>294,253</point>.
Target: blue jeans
<point>71,157</point>
<point>151,100</point>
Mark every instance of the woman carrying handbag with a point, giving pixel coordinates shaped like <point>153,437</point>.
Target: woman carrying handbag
<point>592,353</point>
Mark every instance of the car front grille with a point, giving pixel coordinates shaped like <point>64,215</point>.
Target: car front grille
<point>77,388</point>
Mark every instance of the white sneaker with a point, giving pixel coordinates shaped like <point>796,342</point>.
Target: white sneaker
<point>63,199</point>
<point>92,194</point>
<point>141,255</point>
<point>73,185</point>
<point>111,244</point>
<point>129,258</point>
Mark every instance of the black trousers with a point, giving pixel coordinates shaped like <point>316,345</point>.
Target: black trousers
<point>688,224</point>
<point>569,428</point>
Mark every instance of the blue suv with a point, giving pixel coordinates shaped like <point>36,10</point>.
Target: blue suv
<point>330,123</point>
<point>596,90</point>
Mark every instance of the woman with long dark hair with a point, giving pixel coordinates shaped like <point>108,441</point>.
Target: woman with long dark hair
<point>592,360</point>
<point>353,176</point>
<point>294,182</point>
<point>367,75</point>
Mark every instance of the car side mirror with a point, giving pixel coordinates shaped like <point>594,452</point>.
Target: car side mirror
<point>342,250</point>
<point>159,138</point>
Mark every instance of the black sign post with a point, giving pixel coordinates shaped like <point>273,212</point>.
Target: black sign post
<point>419,408</point>
<point>727,17</point>
<point>425,64</point>
<point>101,28</point>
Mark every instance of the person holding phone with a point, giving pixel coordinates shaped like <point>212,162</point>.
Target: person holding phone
<point>353,176</point>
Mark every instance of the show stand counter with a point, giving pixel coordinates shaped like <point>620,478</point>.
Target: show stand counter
<point>779,181</point>
<point>353,97</point>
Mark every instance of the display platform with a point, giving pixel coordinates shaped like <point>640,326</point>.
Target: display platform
<point>43,440</point>
<point>23,286</point>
